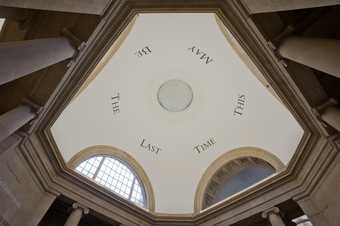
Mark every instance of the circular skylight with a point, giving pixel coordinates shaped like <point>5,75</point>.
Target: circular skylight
<point>175,95</point>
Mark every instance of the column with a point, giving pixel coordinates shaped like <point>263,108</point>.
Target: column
<point>74,6</point>
<point>21,58</point>
<point>329,112</point>
<point>273,215</point>
<point>13,120</point>
<point>318,53</point>
<point>331,115</point>
<point>266,6</point>
<point>75,216</point>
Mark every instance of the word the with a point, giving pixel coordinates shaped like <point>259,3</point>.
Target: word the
<point>205,146</point>
<point>241,100</point>
<point>150,147</point>
<point>142,52</point>
<point>202,55</point>
<point>115,103</point>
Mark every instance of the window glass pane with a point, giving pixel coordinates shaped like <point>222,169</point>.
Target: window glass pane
<point>114,175</point>
<point>89,167</point>
<point>137,195</point>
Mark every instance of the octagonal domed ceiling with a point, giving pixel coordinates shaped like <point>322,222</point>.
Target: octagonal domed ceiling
<point>176,93</point>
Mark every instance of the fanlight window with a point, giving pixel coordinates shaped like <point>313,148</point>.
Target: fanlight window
<point>234,177</point>
<point>115,175</point>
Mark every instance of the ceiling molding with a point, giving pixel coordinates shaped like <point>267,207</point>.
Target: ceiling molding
<point>310,162</point>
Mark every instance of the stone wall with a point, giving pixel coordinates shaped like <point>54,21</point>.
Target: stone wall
<point>22,201</point>
<point>323,205</point>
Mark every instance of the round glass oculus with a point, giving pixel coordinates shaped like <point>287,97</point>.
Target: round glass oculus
<point>175,95</point>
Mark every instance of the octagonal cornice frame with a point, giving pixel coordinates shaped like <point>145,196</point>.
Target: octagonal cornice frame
<point>314,154</point>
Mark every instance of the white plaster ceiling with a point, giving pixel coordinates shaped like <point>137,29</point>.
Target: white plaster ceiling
<point>177,168</point>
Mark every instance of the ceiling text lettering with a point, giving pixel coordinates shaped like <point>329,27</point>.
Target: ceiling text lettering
<point>205,146</point>
<point>150,147</point>
<point>115,103</point>
<point>241,100</point>
<point>202,55</point>
<point>142,52</point>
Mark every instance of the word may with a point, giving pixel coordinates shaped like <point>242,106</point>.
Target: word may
<point>150,147</point>
<point>205,146</point>
<point>142,52</point>
<point>241,100</point>
<point>202,55</point>
<point>115,103</point>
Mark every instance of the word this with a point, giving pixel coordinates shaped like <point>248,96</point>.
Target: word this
<point>240,104</point>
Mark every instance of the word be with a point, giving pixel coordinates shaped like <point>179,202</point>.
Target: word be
<point>115,103</point>
<point>150,147</point>
<point>142,52</point>
<point>241,100</point>
<point>205,146</point>
<point>202,55</point>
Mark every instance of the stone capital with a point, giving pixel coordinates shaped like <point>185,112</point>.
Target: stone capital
<point>84,209</point>
<point>273,210</point>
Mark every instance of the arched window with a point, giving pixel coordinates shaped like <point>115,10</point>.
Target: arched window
<point>234,177</point>
<point>116,175</point>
